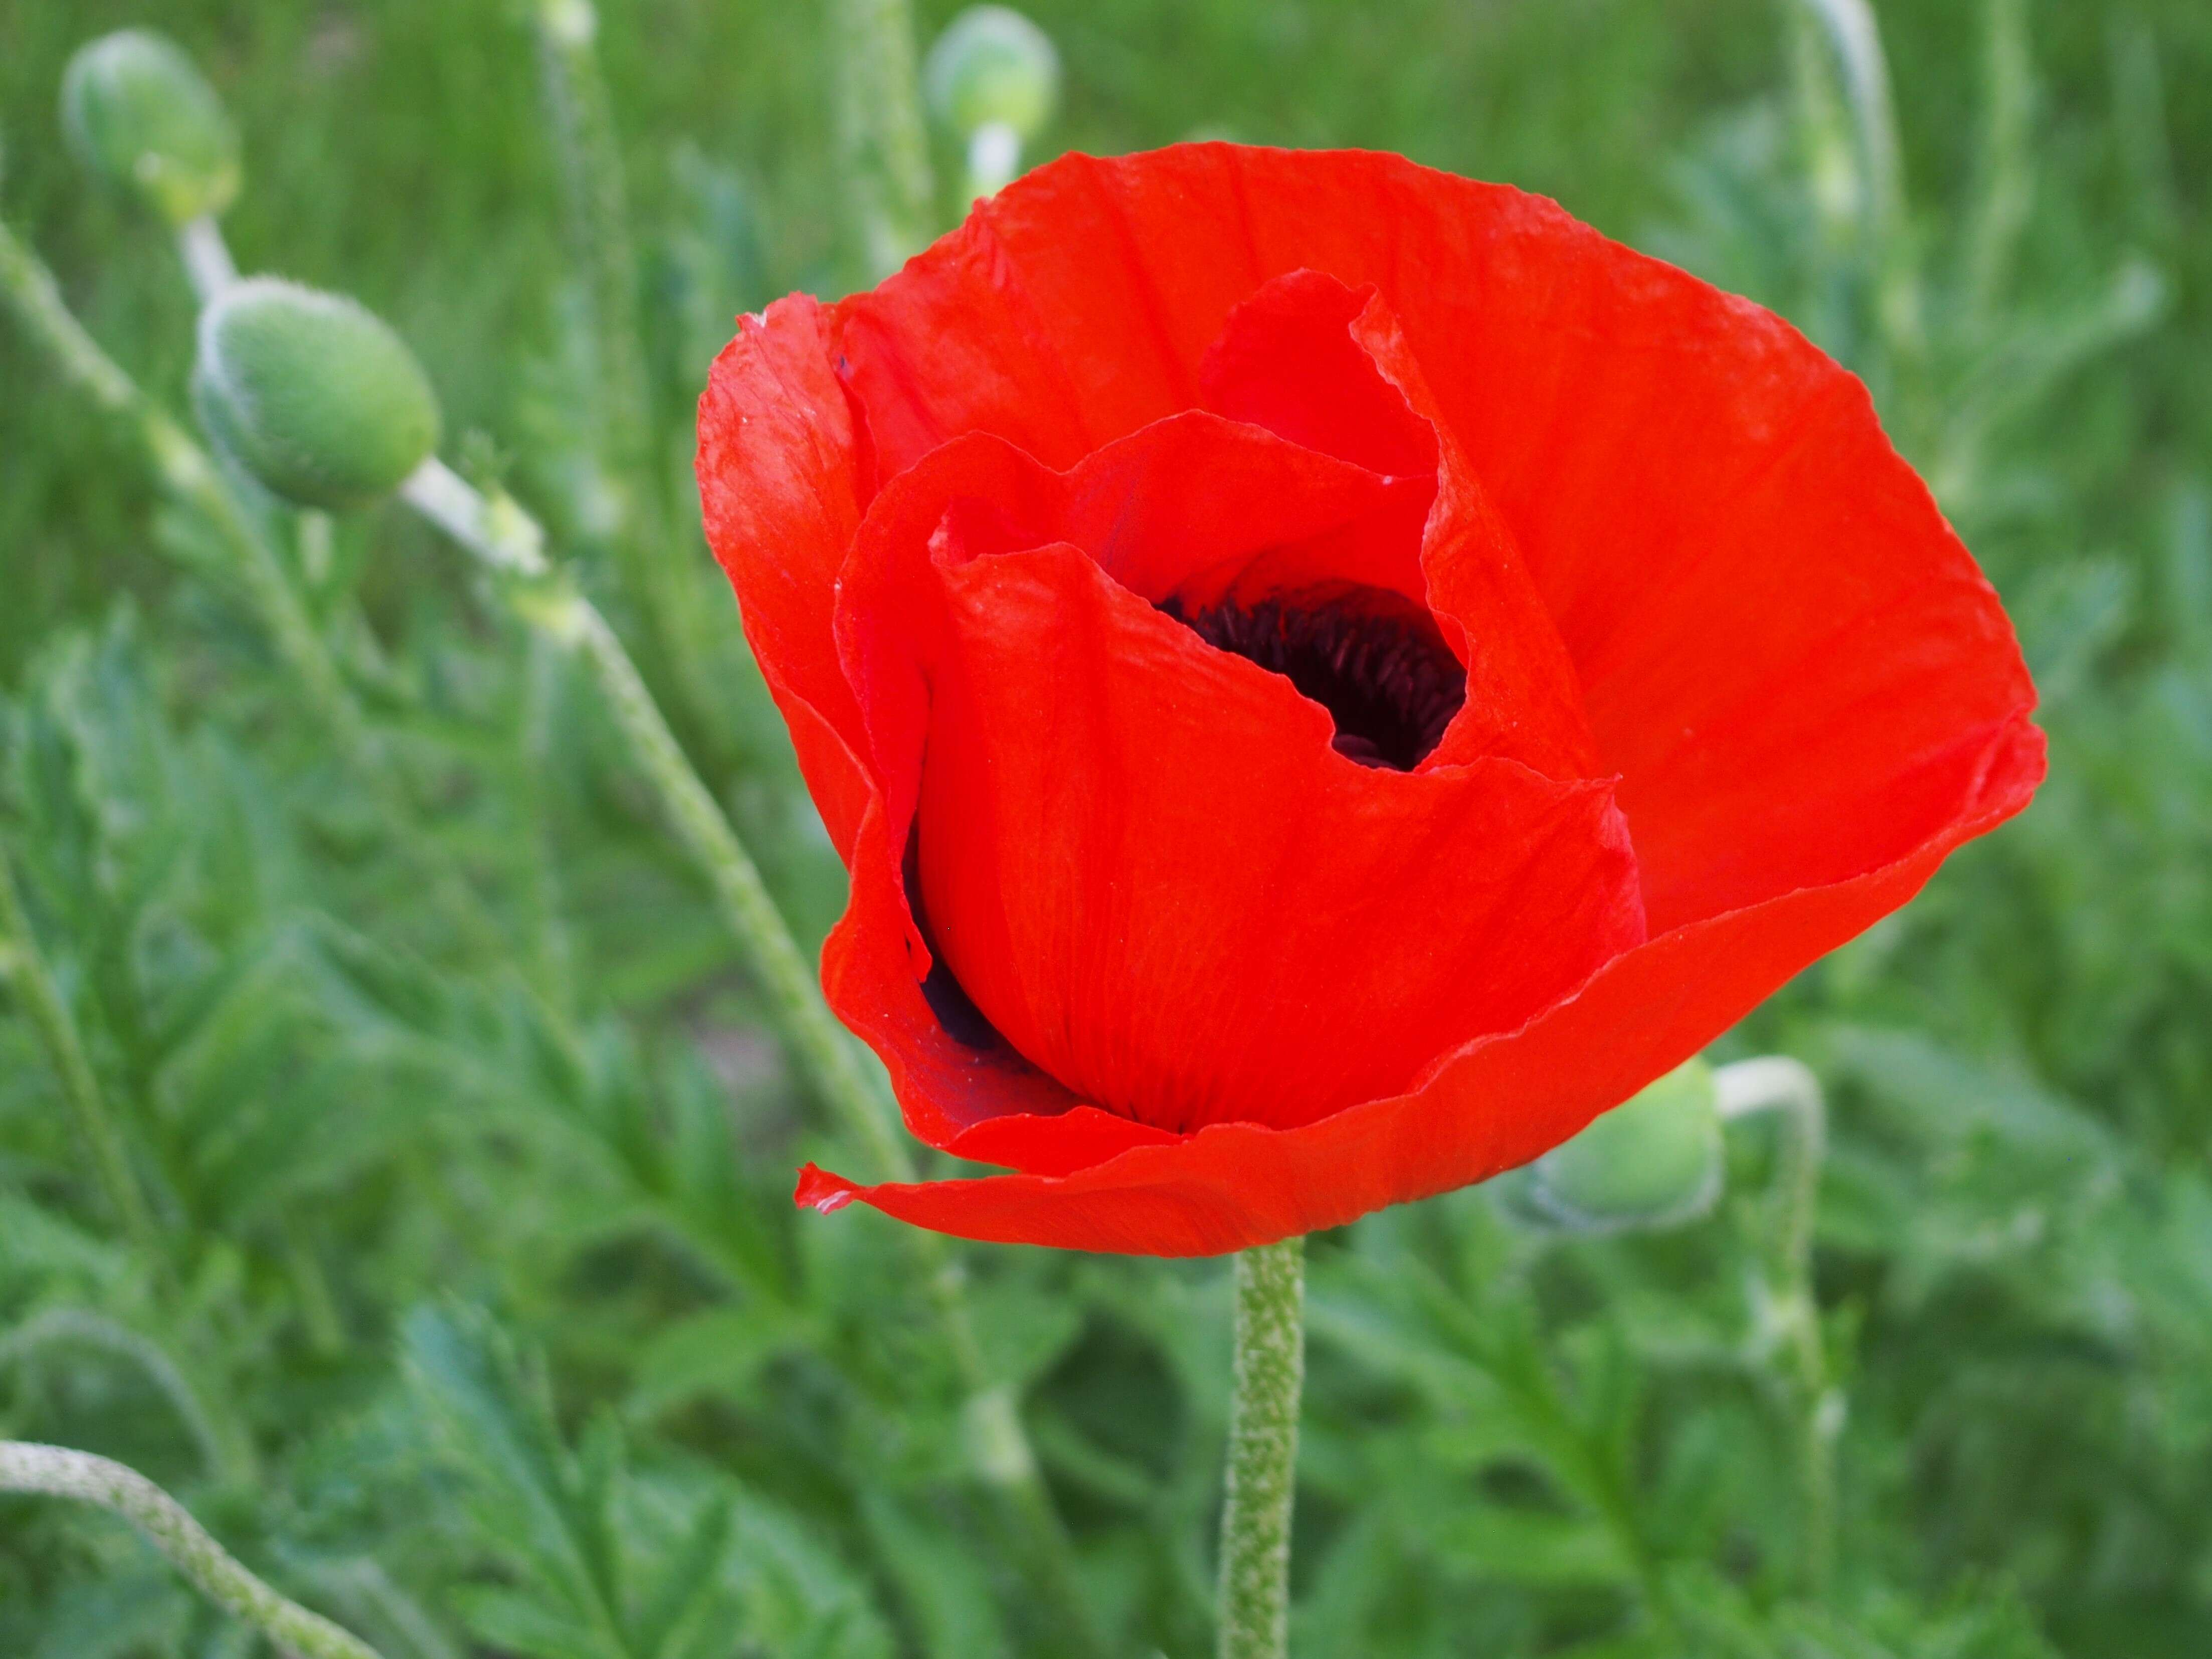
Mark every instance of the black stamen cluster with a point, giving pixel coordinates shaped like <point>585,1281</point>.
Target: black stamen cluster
<point>1373,659</point>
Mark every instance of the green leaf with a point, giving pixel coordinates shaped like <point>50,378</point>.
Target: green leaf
<point>1527,1545</point>
<point>536,1504</point>
<point>716,1352</point>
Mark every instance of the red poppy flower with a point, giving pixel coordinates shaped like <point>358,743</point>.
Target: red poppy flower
<point>1326,676</point>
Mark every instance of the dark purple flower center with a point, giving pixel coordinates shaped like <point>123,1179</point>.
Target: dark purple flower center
<point>1373,659</point>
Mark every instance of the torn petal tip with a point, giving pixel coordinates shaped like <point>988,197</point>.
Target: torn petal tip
<point>825,1192</point>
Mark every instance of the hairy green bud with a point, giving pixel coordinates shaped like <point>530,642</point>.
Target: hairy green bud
<point>991,66</point>
<point>1653,1161</point>
<point>314,396</point>
<point>141,115</point>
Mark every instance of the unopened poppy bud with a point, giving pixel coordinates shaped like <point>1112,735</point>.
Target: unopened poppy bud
<point>991,66</point>
<point>1652,1161</point>
<point>314,396</point>
<point>141,115</point>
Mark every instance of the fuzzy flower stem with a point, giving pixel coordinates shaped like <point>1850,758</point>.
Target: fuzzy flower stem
<point>206,256</point>
<point>883,148</point>
<point>190,476</point>
<point>595,201</point>
<point>251,567</point>
<point>823,1050</point>
<point>656,564</point>
<point>509,544</point>
<point>1254,1610</point>
<point>1853,38</point>
<point>1780,1084</point>
<point>1787,1087</point>
<point>57,1471</point>
<point>23,967</point>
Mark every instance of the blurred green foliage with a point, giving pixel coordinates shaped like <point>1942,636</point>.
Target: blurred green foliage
<point>479,1316</point>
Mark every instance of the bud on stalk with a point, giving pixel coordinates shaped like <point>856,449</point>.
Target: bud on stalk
<point>312,395</point>
<point>1653,1161</point>
<point>992,79</point>
<point>140,115</point>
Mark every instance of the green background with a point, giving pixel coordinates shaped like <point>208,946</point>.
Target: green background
<point>427,1265</point>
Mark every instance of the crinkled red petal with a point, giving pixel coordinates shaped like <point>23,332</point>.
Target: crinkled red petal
<point>1494,1104</point>
<point>1143,859</point>
<point>1774,633</point>
<point>778,487</point>
<point>1147,866</point>
<point>1808,691</point>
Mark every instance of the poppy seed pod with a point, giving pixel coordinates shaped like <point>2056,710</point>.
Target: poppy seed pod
<point>1653,1162</point>
<point>991,66</point>
<point>314,396</point>
<point>140,115</point>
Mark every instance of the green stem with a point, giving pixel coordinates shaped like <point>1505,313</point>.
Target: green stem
<point>511,544</point>
<point>595,198</point>
<point>499,532</point>
<point>658,565</point>
<point>884,157</point>
<point>1263,1452</point>
<point>188,473</point>
<point>2004,167</point>
<point>206,258</point>
<point>1786,1087</point>
<point>1853,38</point>
<point>57,1472</point>
<point>253,568</point>
<point>1000,1453</point>
<point>551,952</point>
<point>23,965</point>
<point>824,1052</point>
<point>30,289</point>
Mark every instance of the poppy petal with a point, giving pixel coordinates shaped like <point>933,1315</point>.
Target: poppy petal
<point>948,1078</point>
<point>1328,366</point>
<point>1808,691</point>
<point>1286,360</point>
<point>1144,861</point>
<point>1787,708</point>
<point>777,488</point>
<point>1163,507</point>
<point>1186,504</point>
<point>1775,636</point>
<point>1491,1105</point>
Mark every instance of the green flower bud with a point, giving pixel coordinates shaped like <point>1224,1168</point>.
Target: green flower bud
<point>991,65</point>
<point>1653,1162</point>
<point>139,114</point>
<point>315,397</point>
